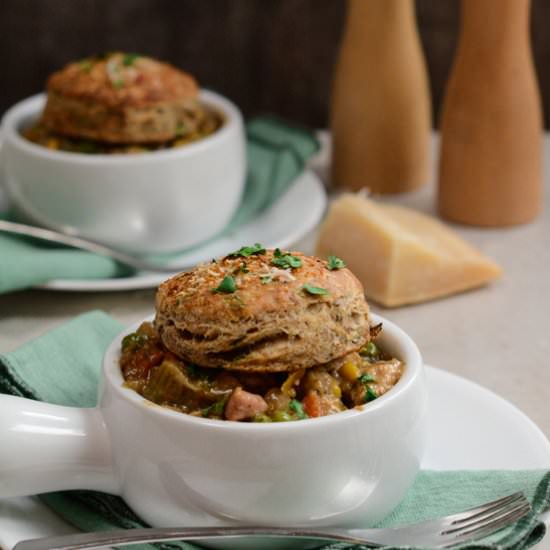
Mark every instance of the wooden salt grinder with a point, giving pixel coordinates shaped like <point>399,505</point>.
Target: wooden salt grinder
<point>380,107</point>
<point>490,170</point>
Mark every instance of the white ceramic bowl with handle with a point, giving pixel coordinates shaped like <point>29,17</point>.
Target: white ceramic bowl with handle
<point>156,201</point>
<point>351,468</point>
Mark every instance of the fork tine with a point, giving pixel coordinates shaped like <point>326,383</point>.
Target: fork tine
<point>482,518</point>
<point>487,531</point>
<point>483,508</point>
<point>492,527</point>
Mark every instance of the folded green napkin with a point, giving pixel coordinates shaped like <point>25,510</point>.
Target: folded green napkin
<point>63,367</point>
<point>276,154</point>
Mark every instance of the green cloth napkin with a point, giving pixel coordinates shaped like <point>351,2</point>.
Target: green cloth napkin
<point>63,366</point>
<point>276,154</point>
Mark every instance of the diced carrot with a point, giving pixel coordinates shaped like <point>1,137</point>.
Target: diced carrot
<point>312,404</point>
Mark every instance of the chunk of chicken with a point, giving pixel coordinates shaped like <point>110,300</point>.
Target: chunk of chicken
<point>243,405</point>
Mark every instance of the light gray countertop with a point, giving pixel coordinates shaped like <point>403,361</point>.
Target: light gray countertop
<point>498,336</point>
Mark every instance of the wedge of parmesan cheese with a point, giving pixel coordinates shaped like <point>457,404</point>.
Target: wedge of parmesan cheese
<point>400,255</point>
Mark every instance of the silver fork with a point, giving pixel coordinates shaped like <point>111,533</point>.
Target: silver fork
<point>441,532</point>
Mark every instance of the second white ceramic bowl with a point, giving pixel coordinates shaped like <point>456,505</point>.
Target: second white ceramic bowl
<point>348,469</point>
<point>158,201</point>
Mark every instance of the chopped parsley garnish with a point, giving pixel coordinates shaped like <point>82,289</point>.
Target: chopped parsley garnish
<point>228,285</point>
<point>119,83</point>
<point>366,378</point>
<point>266,279</point>
<point>129,58</point>
<point>370,394</point>
<point>133,341</point>
<point>335,263</point>
<point>315,290</point>
<point>297,408</point>
<point>246,251</point>
<point>370,351</point>
<point>285,261</point>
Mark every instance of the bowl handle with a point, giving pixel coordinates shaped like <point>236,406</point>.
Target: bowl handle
<point>46,448</point>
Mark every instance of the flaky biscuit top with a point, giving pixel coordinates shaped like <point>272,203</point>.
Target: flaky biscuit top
<point>261,313</point>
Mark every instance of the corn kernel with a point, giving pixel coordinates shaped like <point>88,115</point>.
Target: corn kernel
<point>292,380</point>
<point>350,371</point>
<point>52,143</point>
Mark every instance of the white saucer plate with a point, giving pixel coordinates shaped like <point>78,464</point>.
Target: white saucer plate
<point>470,428</point>
<point>290,218</point>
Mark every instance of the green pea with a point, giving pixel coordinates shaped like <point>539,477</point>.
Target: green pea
<point>297,407</point>
<point>370,350</point>
<point>370,394</point>
<point>133,341</point>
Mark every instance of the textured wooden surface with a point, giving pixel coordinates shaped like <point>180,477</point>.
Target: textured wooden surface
<point>268,55</point>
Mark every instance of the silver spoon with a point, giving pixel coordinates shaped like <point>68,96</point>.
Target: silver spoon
<point>140,264</point>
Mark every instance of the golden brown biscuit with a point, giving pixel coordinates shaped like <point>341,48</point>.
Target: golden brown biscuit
<point>246,313</point>
<point>122,98</point>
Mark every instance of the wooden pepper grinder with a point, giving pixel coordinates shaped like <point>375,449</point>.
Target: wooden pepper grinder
<point>490,171</point>
<point>380,112</point>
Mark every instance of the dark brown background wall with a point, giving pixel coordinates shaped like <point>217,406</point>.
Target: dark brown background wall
<point>267,55</point>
